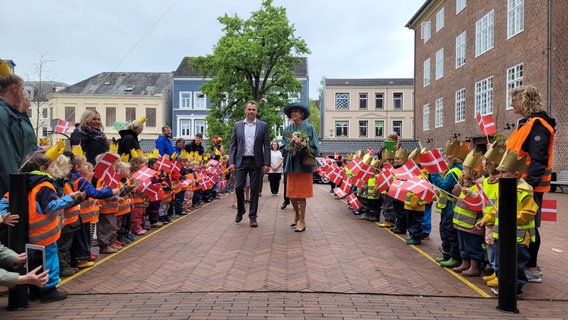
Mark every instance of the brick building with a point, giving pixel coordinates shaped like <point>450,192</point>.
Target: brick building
<point>470,54</point>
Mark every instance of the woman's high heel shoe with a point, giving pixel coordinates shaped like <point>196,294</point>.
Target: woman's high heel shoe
<point>300,230</point>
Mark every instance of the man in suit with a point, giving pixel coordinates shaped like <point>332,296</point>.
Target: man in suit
<point>249,154</point>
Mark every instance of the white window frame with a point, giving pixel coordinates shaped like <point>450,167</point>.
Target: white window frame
<point>460,5</point>
<point>342,124</point>
<point>294,97</point>
<point>397,96</point>
<point>514,80</point>
<point>397,126</point>
<point>484,96</point>
<point>426,31</point>
<point>363,99</point>
<point>184,128</point>
<point>460,49</point>
<point>426,117</point>
<point>439,64</point>
<point>379,96</point>
<point>185,100</point>
<point>440,19</point>
<point>200,126</point>
<point>200,99</point>
<point>460,105</point>
<point>383,127</point>
<point>515,17</point>
<point>363,125</point>
<point>439,113</point>
<point>484,33</point>
<point>426,70</point>
<point>342,97</point>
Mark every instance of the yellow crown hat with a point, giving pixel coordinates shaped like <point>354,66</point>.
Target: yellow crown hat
<point>136,153</point>
<point>358,154</point>
<point>512,162</point>
<point>78,150</point>
<point>401,153</point>
<point>367,158</point>
<point>54,152</point>
<point>43,141</point>
<point>496,151</point>
<point>415,155</point>
<point>451,146</point>
<point>4,69</point>
<point>113,148</point>
<point>473,161</point>
<point>387,154</point>
<point>462,151</point>
<point>376,163</point>
<point>124,157</point>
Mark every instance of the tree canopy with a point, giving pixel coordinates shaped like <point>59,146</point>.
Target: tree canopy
<point>253,60</point>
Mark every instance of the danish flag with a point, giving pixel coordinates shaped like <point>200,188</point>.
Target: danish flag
<point>421,188</point>
<point>346,187</point>
<point>408,171</point>
<point>223,183</point>
<point>152,190</point>
<point>144,174</point>
<point>354,165</point>
<point>354,201</point>
<point>486,124</point>
<point>336,175</point>
<point>164,164</point>
<point>336,155</point>
<point>548,210</point>
<point>384,180</point>
<point>356,182</point>
<point>365,172</point>
<point>370,151</point>
<point>479,202</point>
<point>433,162</point>
<point>396,191</point>
<point>104,171</point>
<point>208,182</point>
<point>186,182</point>
<point>62,126</point>
<point>339,192</point>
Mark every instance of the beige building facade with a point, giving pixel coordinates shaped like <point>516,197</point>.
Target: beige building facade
<point>367,109</point>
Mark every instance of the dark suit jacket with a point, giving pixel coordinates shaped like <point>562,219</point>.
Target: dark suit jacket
<point>261,144</point>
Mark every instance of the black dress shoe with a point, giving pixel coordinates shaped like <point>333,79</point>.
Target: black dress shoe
<point>284,205</point>
<point>239,217</point>
<point>253,223</point>
<point>398,231</point>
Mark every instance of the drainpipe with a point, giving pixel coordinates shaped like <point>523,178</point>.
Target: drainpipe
<point>549,76</point>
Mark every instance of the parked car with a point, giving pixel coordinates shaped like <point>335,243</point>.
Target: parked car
<point>316,178</point>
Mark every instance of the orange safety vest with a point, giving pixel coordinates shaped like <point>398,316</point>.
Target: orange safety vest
<point>515,142</point>
<point>123,205</point>
<point>71,215</point>
<point>89,208</point>
<point>106,206</point>
<point>44,229</point>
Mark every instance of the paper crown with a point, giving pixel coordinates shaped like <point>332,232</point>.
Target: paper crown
<point>401,153</point>
<point>350,157</point>
<point>153,155</point>
<point>387,154</point>
<point>512,162</point>
<point>78,150</point>
<point>124,158</point>
<point>43,141</point>
<point>415,155</point>
<point>456,148</point>
<point>473,161</point>
<point>359,154</point>
<point>4,68</point>
<point>496,151</point>
<point>136,153</point>
<point>174,156</point>
<point>113,148</point>
<point>54,152</point>
<point>367,159</point>
<point>376,163</point>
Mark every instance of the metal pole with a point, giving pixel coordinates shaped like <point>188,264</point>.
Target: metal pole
<point>507,271</point>
<point>18,236</point>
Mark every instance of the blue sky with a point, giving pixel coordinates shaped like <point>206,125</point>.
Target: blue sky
<point>78,39</point>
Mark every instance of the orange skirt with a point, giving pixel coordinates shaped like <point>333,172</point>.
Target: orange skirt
<point>299,185</point>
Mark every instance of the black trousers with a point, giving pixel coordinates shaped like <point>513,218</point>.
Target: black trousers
<point>274,179</point>
<point>248,167</point>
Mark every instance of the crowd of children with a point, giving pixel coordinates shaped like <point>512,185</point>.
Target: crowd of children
<point>465,196</point>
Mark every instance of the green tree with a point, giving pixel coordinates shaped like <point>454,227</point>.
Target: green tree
<point>315,117</point>
<point>254,60</point>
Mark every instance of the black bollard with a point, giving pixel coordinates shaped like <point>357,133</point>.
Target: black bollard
<point>507,245</point>
<point>18,236</point>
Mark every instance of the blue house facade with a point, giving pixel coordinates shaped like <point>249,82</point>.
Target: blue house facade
<point>190,106</point>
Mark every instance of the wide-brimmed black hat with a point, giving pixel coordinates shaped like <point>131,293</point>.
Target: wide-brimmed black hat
<point>296,105</point>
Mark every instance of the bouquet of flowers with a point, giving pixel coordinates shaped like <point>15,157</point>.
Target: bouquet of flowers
<point>299,141</point>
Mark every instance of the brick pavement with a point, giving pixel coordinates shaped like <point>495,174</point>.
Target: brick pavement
<point>204,266</point>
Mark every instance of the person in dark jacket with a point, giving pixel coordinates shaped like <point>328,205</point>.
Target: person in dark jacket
<point>196,145</point>
<point>129,138</point>
<point>90,136</point>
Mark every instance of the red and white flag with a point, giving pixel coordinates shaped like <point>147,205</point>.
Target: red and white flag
<point>104,171</point>
<point>356,182</point>
<point>479,202</point>
<point>346,187</point>
<point>354,165</point>
<point>339,192</point>
<point>62,126</point>
<point>548,210</point>
<point>144,174</point>
<point>384,180</point>
<point>486,124</point>
<point>370,151</point>
<point>354,201</point>
<point>337,175</point>
<point>421,188</point>
<point>223,183</point>
<point>186,182</point>
<point>154,191</point>
<point>336,155</point>
<point>364,172</point>
<point>408,171</point>
<point>433,161</point>
<point>164,164</point>
<point>396,190</point>
<point>208,182</point>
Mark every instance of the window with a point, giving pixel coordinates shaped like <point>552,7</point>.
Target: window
<point>439,113</point>
<point>426,72</point>
<point>426,117</point>
<point>362,100</point>
<point>150,117</point>
<point>130,114</point>
<point>460,105</point>
<point>379,128</point>
<point>200,100</point>
<point>440,63</point>
<point>397,100</point>
<point>293,97</point>
<point>515,17</point>
<point>460,50</point>
<point>440,20</point>
<point>426,30</point>
<point>484,96</point>
<point>200,126</point>
<point>185,100</point>
<point>341,128</point>
<point>110,115</point>
<point>460,5</point>
<point>484,34</point>
<point>341,101</point>
<point>514,80</point>
<point>397,127</point>
<point>44,113</point>
<point>185,128</point>
<point>363,125</point>
<point>379,97</point>
<point>70,114</point>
